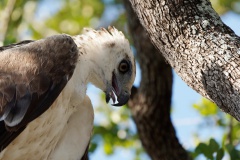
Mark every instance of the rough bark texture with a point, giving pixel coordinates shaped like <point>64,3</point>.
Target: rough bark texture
<point>195,42</point>
<point>150,103</point>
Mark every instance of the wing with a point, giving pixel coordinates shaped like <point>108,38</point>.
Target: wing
<point>32,75</point>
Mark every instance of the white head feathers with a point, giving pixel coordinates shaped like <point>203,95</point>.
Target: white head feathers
<point>101,35</point>
<point>98,38</point>
<point>107,51</point>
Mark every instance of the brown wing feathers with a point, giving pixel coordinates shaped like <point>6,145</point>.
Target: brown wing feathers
<point>32,75</point>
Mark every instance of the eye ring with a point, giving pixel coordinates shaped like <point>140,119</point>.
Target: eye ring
<point>123,66</point>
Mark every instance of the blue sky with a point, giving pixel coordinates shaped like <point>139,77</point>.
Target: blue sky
<point>185,119</point>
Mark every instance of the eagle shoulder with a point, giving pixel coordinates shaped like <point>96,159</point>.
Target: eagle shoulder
<point>32,75</point>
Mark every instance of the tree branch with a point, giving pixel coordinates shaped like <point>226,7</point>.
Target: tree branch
<point>151,102</point>
<point>203,51</point>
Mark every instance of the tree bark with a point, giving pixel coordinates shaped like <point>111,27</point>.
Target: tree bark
<point>203,51</point>
<point>150,104</point>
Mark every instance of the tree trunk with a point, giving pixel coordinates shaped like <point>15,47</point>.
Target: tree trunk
<point>150,103</point>
<point>203,51</point>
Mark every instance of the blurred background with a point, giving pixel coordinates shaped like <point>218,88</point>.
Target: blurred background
<point>201,128</point>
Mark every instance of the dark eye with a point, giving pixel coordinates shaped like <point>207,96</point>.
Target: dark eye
<point>123,66</point>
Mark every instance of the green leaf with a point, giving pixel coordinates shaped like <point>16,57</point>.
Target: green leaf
<point>220,154</point>
<point>203,148</point>
<point>108,149</point>
<point>93,147</point>
<point>206,107</point>
<point>214,146</point>
<point>223,6</point>
<point>233,152</point>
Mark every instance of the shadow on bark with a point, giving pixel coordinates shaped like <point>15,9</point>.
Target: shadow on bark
<point>150,104</point>
<point>218,80</point>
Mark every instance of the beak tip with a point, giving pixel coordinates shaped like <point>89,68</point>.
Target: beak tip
<point>122,101</point>
<point>122,98</point>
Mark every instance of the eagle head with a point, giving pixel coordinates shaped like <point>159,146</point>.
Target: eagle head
<point>114,65</point>
<point>121,74</point>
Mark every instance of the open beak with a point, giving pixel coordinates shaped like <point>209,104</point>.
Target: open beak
<point>114,89</point>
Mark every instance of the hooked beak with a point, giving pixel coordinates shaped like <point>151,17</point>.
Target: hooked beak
<point>122,96</point>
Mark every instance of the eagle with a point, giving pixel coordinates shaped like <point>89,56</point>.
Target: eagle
<point>45,113</point>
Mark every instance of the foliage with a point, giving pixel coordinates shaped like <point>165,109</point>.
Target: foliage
<point>74,15</point>
<point>27,20</point>
<point>230,140</point>
<point>18,16</point>
<point>223,6</point>
<point>206,108</point>
<point>211,151</point>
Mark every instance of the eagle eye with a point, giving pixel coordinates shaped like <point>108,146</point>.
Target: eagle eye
<point>123,66</point>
